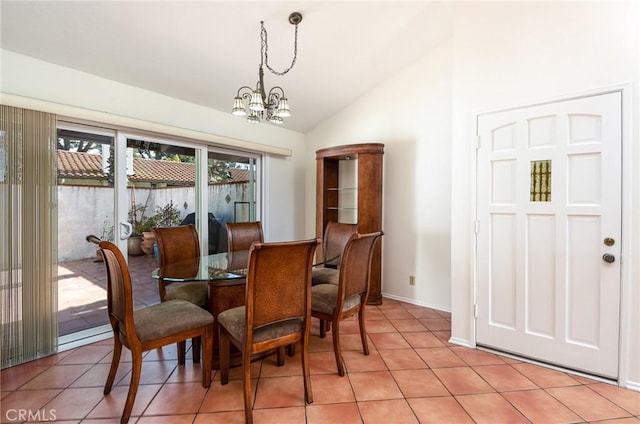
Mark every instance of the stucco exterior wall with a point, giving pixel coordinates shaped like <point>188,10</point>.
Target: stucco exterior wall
<point>84,210</point>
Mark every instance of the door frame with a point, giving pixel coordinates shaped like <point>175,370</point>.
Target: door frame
<point>627,225</point>
<point>123,202</point>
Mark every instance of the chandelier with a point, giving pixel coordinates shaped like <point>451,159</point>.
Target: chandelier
<point>271,106</point>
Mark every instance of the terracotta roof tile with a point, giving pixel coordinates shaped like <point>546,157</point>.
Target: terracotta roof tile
<point>79,165</point>
<point>89,166</point>
<point>151,170</point>
<point>239,175</point>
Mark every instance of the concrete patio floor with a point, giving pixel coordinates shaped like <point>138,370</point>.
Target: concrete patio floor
<point>82,291</point>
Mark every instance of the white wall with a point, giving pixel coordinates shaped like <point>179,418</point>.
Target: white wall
<point>411,115</point>
<point>508,54</point>
<point>501,54</point>
<point>32,78</point>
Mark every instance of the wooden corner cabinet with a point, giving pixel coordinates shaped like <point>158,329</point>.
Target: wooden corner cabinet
<point>349,190</point>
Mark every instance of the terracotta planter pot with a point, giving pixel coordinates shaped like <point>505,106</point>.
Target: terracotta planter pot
<point>148,240</point>
<point>133,246</point>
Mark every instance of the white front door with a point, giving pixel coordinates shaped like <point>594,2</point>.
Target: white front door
<point>548,232</point>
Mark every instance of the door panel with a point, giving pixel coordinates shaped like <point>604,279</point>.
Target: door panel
<point>233,194</point>
<point>86,198</point>
<point>541,255</point>
<point>549,193</point>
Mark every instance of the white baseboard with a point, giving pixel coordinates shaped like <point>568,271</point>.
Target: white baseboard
<point>416,302</point>
<point>632,385</point>
<point>461,342</point>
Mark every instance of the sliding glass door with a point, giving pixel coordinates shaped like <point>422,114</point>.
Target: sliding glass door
<point>86,199</point>
<point>117,185</point>
<point>232,194</point>
<point>162,190</point>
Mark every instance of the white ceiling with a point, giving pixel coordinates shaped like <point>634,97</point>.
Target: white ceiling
<point>203,51</point>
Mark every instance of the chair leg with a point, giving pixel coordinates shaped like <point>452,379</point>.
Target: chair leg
<point>162,289</point>
<point>207,356</point>
<point>363,331</point>
<point>248,407</point>
<point>336,347</point>
<point>323,328</point>
<point>136,370</point>
<point>195,349</point>
<point>308,393</point>
<point>280,356</point>
<point>182,347</point>
<point>291,350</point>
<point>224,347</point>
<point>115,360</point>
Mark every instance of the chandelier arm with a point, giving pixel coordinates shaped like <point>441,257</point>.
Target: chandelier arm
<point>244,87</point>
<point>276,92</point>
<point>274,96</point>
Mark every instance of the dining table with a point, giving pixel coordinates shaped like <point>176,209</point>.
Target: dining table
<point>225,274</point>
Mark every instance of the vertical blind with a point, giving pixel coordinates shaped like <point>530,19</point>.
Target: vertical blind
<point>28,235</point>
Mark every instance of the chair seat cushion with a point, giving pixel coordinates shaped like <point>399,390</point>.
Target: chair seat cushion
<point>168,318</point>
<point>234,320</point>
<point>322,275</point>
<point>325,296</point>
<point>196,293</point>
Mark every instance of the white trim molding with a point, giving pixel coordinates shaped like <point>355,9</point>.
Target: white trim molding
<point>126,122</point>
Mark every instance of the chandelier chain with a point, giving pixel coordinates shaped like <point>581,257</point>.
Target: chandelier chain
<point>264,51</point>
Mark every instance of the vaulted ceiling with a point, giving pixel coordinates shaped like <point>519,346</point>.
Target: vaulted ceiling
<point>202,52</point>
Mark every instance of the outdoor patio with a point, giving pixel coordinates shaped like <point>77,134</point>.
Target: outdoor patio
<point>82,291</point>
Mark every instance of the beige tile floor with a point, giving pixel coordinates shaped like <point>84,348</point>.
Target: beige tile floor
<point>412,375</point>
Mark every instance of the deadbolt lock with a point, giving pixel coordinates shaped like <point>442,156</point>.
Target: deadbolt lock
<point>609,241</point>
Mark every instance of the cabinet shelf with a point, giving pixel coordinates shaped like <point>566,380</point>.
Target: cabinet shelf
<point>349,190</point>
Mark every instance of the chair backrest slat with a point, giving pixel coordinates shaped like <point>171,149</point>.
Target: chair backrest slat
<point>178,252</point>
<point>240,235</point>
<point>177,244</point>
<point>119,290</point>
<point>356,263</point>
<point>279,281</point>
<point>335,239</point>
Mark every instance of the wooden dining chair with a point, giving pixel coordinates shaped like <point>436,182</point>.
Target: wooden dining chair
<point>334,303</point>
<point>240,235</point>
<point>333,243</point>
<point>179,244</point>
<point>276,312</point>
<point>150,327</point>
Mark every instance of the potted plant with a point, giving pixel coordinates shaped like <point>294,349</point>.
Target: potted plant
<point>140,223</point>
<point>166,216</point>
<point>107,235</point>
